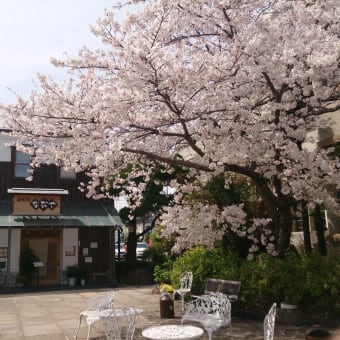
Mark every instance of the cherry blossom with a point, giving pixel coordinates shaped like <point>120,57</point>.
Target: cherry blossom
<point>231,85</point>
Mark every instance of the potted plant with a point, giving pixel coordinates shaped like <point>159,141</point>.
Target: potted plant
<point>83,275</point>
<point>21,280</point>
<point>71,273</point>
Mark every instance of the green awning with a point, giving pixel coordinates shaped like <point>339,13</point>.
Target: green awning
<point>75,214</point>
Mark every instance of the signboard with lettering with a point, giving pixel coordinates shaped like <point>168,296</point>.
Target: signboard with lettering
<point>37,202</point>
<point>36,205</point>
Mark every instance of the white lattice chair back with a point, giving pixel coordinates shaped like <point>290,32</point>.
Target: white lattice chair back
<point>118,318</point>
<point>215,305</point>
<point>269,323</point>
<point>186,280</point>
<point>212,311</point>
<point>103,301</point>
<point>221,307</point>
<point>94,306</point>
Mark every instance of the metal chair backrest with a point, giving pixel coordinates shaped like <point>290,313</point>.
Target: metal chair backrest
<point>94,306</point>
<point>113,323</point>
<point>186,280</point>
<point>269,323</point>
<point>221,307</point>
<point>103,301</point>
<point>216,305</point>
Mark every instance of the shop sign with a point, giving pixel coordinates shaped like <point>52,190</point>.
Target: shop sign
<point>37,203</point>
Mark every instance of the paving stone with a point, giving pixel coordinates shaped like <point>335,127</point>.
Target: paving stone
<point>54,315</point>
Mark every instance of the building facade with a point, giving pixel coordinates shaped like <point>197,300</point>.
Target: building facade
<point>54,219</point>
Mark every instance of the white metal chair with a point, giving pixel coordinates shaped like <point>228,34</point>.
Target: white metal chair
<point>95,305</point>
<point>269,323</point>
<point>113,323</point>
<point>185,288</point>
<point>212,311</point>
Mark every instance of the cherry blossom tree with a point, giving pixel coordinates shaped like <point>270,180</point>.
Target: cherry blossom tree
<point>233,86</point>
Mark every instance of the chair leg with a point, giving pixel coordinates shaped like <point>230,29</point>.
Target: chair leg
<point>78,327</point>
<point>89,331</point>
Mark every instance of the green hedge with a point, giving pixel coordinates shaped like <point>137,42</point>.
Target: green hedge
<point>313,283</point>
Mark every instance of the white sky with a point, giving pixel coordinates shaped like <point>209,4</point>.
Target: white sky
<point>32,31</point>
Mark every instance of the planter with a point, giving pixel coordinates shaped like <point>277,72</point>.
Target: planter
<point>71,281</point>
<point>317,332</point>
<point>289,306</point>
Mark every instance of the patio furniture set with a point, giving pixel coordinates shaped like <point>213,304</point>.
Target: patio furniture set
<point>212,310</point>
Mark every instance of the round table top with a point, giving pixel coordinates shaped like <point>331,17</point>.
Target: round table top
<point>168,332</point>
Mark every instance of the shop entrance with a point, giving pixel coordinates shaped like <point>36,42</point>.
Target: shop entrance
<point>45,244</point>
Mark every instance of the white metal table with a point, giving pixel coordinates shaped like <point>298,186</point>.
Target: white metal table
<point>171,332</point>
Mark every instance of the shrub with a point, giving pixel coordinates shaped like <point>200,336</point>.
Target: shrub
<point>204,264</point>
<point>72,271</point>
<point>321,286</point>
<point>162,272</point>
<point>313,283</point>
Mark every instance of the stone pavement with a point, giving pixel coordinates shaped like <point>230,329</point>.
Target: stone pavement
<point>54,315</point>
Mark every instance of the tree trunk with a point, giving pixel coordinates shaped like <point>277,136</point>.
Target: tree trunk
<point>284,226</point>
<point>320,230</point>
<point>306,230</point>
<point>279,211</point>
<point>132,241</point>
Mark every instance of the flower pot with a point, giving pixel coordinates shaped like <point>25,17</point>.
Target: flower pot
<point>317,332</point>
<point>71,281</point>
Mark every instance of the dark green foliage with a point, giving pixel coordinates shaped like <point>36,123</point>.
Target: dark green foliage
<point>214,263</point>
<point>162,271</point>
<point>72,271</point>
<point>83,273</point>
<point>161,247</point>
<point>313,283</point>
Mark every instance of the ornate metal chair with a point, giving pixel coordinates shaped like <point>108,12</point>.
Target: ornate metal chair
<point>185,288</point>
<point>269,323</point>
<point>113,323</point>
<point>95,305</point>
<point>212,311</point>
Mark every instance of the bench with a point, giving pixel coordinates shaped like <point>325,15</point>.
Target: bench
<point>228,287</point>
<point>103,276</point>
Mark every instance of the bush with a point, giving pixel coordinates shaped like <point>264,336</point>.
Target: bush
<point>205,263</point>
<point>313,283</point>
<point>321,286</point>
<point>72,271</point>
<point>162,272</point>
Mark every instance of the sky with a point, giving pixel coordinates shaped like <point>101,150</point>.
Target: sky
<point>33,31</point>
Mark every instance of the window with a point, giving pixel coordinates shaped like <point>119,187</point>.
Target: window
<point>22,164</point>
<point>3,252</point>
<point>3,258</point>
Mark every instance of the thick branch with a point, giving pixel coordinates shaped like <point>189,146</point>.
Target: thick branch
<point>169,161</point>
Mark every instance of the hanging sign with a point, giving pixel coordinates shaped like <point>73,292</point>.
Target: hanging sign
<point>45,202</point>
